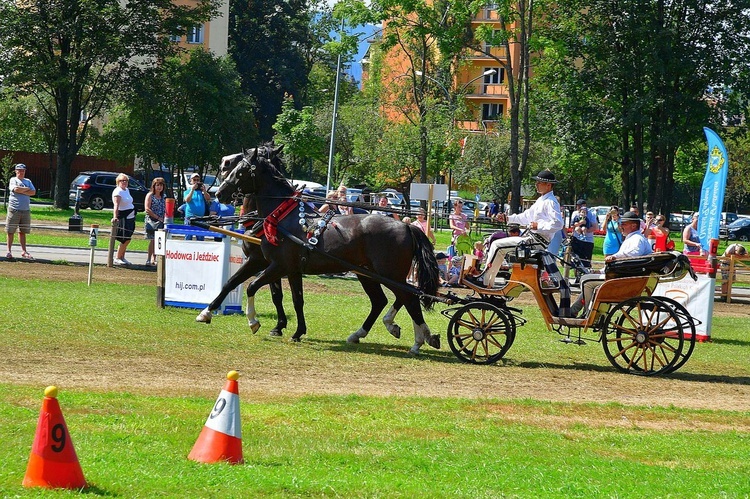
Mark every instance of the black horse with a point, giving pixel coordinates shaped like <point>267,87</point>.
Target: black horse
<point>254,260</point>
<point>376,245</point>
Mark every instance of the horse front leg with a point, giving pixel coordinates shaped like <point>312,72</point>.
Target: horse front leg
<point>277,297</point>
<point>295,284</point>
<point>245,272</point>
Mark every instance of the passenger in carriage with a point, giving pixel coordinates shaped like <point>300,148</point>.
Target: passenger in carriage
<point>634,244</point>
<point>543,218</point>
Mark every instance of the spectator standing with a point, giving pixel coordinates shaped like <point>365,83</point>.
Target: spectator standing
<point>19,210</point>
<point>383,203</point>
<point>657,232</point>
<point>421,222</point>
<point>588,224</point>
<point>613,237</point>
<point>457,221</point>
<point>155,205</point>
<point>124,216</point>
<point>197,199</point>
<point>690,238</point>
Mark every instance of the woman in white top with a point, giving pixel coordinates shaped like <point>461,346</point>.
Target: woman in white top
<point>124,216</point>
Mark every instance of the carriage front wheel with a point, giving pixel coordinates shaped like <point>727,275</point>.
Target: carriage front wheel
<point>481,333</point>
<point>643,335</point>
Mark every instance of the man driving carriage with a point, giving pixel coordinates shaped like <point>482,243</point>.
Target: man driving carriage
<point>542,218</point>
<point>634,244</point>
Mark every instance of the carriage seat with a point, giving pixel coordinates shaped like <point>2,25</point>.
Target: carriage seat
<point>670,264</point>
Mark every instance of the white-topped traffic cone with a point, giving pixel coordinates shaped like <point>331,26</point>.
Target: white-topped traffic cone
<point>221,437</point>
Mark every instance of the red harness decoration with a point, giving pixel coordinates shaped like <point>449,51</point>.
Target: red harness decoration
<point>271,222</point>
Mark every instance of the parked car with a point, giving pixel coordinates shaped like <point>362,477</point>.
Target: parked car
<point>96,188</point>
<point>601,213</point>
<point>739,230</point>
<point>678,221</point>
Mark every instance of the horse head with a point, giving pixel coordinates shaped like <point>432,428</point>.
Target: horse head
<point>255,170</point>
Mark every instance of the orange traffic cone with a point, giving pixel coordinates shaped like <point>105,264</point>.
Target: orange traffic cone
<point>53,462</point>
<point>221,437</point>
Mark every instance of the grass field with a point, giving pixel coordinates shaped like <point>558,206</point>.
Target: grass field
<point>325,418</point>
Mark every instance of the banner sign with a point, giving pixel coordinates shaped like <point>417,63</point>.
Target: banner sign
<point>696,296</point>
<point>712,192</point>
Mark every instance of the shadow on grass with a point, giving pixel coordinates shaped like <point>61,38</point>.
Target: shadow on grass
<point>720,341</point>
<point>426,353</point>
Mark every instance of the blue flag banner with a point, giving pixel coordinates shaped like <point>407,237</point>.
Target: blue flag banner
<point>712,192</point>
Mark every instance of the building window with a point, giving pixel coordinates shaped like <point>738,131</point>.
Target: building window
<point>490,79</point>
<point>492,112</point>
<point>195,35</point>
<point>489,9</point>
<point>175,38</point>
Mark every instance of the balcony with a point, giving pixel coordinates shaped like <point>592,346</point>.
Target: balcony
<point>495,53</point>
<point>481,90</point>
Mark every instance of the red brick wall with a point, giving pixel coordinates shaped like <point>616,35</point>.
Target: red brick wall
<point>40,167</point>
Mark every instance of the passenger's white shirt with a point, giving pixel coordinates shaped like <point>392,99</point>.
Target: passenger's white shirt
<point>635,244</point>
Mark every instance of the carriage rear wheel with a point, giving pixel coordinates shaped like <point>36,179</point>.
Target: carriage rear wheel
<point>481,333</point>
<point>688,330</point>
<point>643,335</point>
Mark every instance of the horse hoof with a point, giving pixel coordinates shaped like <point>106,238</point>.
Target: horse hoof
<point>295,339</point>
<point>353,338</point>
<point>434,341</point>
<point>254,326</point>
<point>414,351</point>
<point>205,316</point>
<point>395,331</point>
<point>275,332</point>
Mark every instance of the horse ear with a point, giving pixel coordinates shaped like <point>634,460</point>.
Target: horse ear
<point>255,155</point>
<point>278,150</point>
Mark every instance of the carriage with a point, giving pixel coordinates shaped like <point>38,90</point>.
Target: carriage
<point>641,333</point>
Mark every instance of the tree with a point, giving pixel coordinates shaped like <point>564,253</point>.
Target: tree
<point>184,113</point>
<point>266,41</point>
<point>80,54</point>
<point>633,80</point>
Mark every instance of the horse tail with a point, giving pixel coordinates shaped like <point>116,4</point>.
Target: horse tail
<point>428,275</point>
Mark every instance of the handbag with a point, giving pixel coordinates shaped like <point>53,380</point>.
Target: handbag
<point>153,225</point>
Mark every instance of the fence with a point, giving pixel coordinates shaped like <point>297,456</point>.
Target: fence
<point>733,270</point>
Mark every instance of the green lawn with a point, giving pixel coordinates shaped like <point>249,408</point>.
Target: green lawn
<point>134,443</point>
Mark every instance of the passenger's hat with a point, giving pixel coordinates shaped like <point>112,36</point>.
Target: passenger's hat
<point>580,202</point>
<point>196,174</point>
<point>514,227</point>
<point>545,176</point>
<point>441,256</point>
<point>630,216</point>
<point>20,166</point>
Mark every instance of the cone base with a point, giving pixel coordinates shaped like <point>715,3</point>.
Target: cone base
<point>53,475</point>
<point>215,447</point>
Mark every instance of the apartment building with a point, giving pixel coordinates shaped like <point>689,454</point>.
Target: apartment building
<point>481,81</point>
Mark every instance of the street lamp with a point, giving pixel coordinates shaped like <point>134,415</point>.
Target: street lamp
<point>453,106</point>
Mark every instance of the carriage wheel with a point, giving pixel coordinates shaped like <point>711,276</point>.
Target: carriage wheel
<point>688,330</point>
<point>481,333</point>
<point>643,335</point>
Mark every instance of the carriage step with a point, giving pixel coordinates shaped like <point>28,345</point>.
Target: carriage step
<point>569,321</point>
